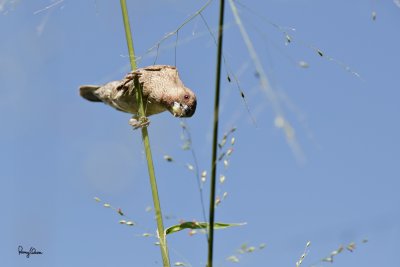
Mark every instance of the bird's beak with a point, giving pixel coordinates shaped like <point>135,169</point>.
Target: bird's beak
<point>183,110</point>
<point>189,111</point>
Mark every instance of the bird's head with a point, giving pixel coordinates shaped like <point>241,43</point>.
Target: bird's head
<point>184,104</point>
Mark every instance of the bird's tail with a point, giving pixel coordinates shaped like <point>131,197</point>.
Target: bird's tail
<point>87,92</point>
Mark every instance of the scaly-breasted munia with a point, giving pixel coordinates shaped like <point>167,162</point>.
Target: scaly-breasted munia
<point>162,90</point>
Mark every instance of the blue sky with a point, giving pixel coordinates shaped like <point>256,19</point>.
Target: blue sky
<point>59,151</point>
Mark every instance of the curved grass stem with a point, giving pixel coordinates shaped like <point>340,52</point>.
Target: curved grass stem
<point>146,141</point>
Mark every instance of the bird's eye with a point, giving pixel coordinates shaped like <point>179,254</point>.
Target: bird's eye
<point>186,97</point>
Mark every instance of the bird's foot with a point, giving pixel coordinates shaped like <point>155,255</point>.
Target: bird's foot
<point>139,122</point>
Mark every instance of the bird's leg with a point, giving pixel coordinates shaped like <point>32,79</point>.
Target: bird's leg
<point>136,121</point>
<point>139,122</point>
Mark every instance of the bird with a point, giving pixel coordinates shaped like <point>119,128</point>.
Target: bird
<point>162,90</point>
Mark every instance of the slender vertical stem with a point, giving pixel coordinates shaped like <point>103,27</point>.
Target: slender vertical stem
<point>215,134</point>
<point>128,34</point>
<point>146,141</point>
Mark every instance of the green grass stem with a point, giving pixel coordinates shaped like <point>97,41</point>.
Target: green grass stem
<point>215,135</point>
<point>146,141</point>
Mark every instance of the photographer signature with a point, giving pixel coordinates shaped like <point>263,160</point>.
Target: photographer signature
<point>32,250</point>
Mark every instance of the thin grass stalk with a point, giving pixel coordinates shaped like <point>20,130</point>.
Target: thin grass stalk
<point>215,135</point>
<point>146,141</point>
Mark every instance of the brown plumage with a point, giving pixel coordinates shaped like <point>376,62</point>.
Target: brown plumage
<point>162,90</point>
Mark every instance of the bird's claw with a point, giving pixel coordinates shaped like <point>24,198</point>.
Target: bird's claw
<point>139,122</point>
